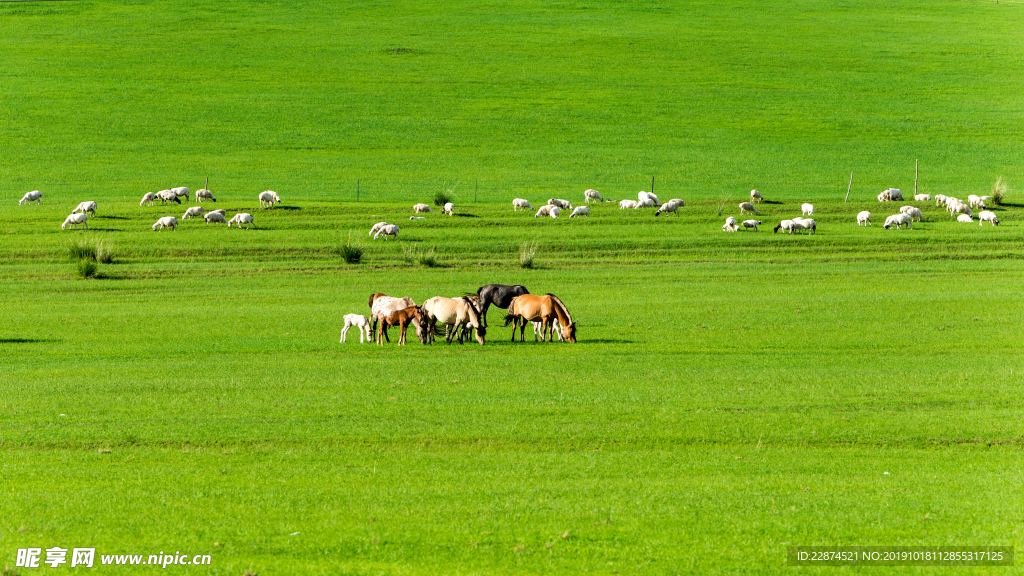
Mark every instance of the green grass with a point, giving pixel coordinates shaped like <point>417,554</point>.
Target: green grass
<point>730,393</point>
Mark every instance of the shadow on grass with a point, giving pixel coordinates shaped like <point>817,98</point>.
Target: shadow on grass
<point>114,217</point>
<point>466,216</point>
<point>26,340</point>
<point>279,207</point>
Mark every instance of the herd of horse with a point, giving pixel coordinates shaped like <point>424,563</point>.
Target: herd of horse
<point>467,315</point>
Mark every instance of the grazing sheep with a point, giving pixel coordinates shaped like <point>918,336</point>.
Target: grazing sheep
<point>755,196</point>
<point>241,218</point>
<point>389,230</point>
<point>899,221</point>
<point>215,217</point>
<point>204,194</point>
<point>864,218</point>
<point>922,198</point>
<point>29,197</point>
<point>594,195</point>
<point>805,224</point>
<point>890,195</point>
<point>166,196</point>
<point>377,227</point>
<point>84,207</point>
<point>148,198</point>
<point>166,222</point>
<point>641,196</point>
<point>731,221</point>
<point>729,227</point>
<point>268,198</point>
<point>912,212</point>
<point>678,201</point>
<point>220,211</point>
<point>192,212</point>
<point>965,218</point>
<point>521,203</point>
<point>785,226</point>
<point>975,201</point>
<point>959,207</point>
<point>554,212</point>
<point>75,219</point>
<point>421,209</point>
<point>362,323</point>
<point>988,216</point>
<point>563,204</point>
<point>449,209</point>
<point>648,203</point>
<point>747,224</point>
<point>748,207</point>
<point>417,218</point>
<point>940,199</point>
<point>544,210</point>
<point>580,211</point>
<point>623,204</point>
<point>181,191</point>
<point>807,210</point>
<point>670,206</point>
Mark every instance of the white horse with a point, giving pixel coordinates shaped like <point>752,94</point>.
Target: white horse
<point>381,304</point>
<point>362,323</point>
<point>455,312</point>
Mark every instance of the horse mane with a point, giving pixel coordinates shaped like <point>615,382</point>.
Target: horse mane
<point>473,310</point>
<point>562,306</point>
<point>374,297</point>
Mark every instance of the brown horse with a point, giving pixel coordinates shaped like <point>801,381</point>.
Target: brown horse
<point>544,309</point>
<point>401,318</point>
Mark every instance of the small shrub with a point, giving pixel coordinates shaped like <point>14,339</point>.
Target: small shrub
<point>352,253</point>
<point>527,252</point>
<point>413,255</point>
<point>82,251</point>
<point>721,206</point>
<point>104,254</point>
<point>442,198</point>
<point>86,268</point>
<point>999,189</point>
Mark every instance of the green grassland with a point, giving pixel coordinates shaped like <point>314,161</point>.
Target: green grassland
<point>730,393</point>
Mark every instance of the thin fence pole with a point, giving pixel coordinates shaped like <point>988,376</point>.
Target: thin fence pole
<point>652,184</point>
<point>476,188</point>
<point>357,189</point>
<point>848,188</point>
<point>915,176</point>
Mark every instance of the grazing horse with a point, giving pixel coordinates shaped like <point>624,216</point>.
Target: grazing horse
<point>545,309</point>
<point>380,303</point>
<point>454,312</point>
<point>401,318</point>
<point>498,294</point>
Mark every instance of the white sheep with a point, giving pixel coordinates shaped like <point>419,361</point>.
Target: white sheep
<point>864,218</point>
<point>181,191</point>
<point>678,201</point>
<point>215,217</point>
<point>580,211</point>
<point>975,201</point>
<point>594,195</point>
<point>421,209</point>
<point>755,196</point>
<point>747,224</point>
<point>959,207</point>
<point>362,323</point>
<point>731,221</point>
<point>449,209</point>
<point>966,219</point>
<point>269,198</point>
<point>648,203</point>
<point>805,224</point>
<point>940,199</point>
<point>544,210</point>
<point>807,210</point>
<point>912,212</point>
<point>192,212</point>
<point>75,219</point>
<point>204,194</point>
<point>220,211</point>
<point>641,196</point>
<point>417,218</point>
<point>898,221</point>
<point>84,207</point>
<point>624,204</point>
<point>670,206</point>
<point>890,195</point>
<point>522,203</point>
<point>241,218</point>
<point>729,227</point>
<point>563,204</point>
<point>748,207</point>
<point>377,227</point>
<point>29,197</point>
<point>554,212</point>
<point>785,226</point>
<point>389,230</point>
<point>988,216</point>
<point>922,198</point>
<point>166,196</point>
<point>148,198</point>
<point>166,222</point>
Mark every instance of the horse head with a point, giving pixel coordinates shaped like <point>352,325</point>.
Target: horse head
<point>480,333</point>
<point>569,332</point>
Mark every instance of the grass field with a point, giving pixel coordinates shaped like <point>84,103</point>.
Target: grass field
<point>730,393</point>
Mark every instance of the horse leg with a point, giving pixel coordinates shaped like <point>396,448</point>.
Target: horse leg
<point>515,324</point>
<point>403,327</point>
<point>345,329</point>
<point>484,305</point>
<point>522,330</point>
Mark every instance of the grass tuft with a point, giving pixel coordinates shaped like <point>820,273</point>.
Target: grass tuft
<point>442,198</point>
<point>415,255</point>
<point>82,251</point>
<point>352,253</point>
<point>86,269</point>
<point>999,189</point>
<point>527,252</point>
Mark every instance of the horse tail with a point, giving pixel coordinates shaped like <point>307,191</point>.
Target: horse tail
<point>562,306</point>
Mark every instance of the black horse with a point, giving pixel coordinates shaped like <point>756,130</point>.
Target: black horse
<point>498,294</point>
